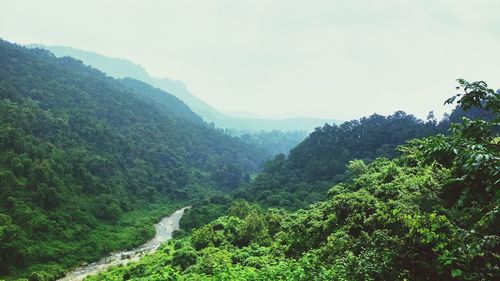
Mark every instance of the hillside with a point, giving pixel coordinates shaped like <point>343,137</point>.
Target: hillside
<point>326,151</point>
<point>431,213</point>
<point>274,142</point>
<point>87,162</point>
<point>304,176</point>
<point>121,68</point>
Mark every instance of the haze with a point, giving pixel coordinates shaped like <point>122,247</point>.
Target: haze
<point>330,59</point>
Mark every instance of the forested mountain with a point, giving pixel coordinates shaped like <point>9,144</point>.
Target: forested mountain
<point>430,213</point>
<point>312,166</point>
<point>325,153</point>
<point>121,68</point>
<point>84,158</point>
<point>318,162</point>
<point>274,142</point>
<point>321,159</point>
<point>89,162</point>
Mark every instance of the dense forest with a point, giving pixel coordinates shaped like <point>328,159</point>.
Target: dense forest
<point>429,213</point>
<point>88,162</point>
<point>312,167</point>
<point>319,161</point>
<point>274,142</point>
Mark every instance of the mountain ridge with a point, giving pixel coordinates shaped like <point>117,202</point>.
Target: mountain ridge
<point>88,162</point>
<point>122,68</point>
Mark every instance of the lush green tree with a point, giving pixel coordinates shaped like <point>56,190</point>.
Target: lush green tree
<point>184,257</point>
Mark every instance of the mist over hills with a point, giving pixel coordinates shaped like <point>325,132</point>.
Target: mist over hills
<point>168,140</point>
<point>122,68</point>
<point>88,162</point>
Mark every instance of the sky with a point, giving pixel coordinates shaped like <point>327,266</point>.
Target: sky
<point>329,59</point>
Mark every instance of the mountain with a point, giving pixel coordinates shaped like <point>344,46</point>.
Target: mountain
<point>121,68</point>
<point>329,156</point>
<point>308,171</point>
<point>326,151</point>
<point>88,162</point>
<point>304,175</point>
<point>274,142</point>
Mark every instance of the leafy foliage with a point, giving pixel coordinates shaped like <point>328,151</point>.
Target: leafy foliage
<point>88,163</point>
<point>320,160</point>
<point>430,213</point>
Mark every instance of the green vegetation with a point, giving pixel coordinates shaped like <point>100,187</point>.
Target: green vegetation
<point>313,166</point>
<point>88,163</point>
<point>274,142</point>
<point>319,161</point>
<point>430,213</point>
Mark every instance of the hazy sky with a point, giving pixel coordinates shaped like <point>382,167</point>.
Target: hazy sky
<point>338,59</point>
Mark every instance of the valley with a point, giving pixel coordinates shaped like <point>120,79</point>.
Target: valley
<point>163,232</point>
<point>108,173</point>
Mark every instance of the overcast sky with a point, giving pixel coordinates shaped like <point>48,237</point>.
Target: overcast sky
<point>335,59</point>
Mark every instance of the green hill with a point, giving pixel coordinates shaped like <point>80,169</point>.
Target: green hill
<point>430,213</point>
<point>121,68</point>
<point>88,162</point>
<point>305,175</point>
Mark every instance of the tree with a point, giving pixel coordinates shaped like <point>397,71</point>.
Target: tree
<point>184,257</point>
<point>472,149</point>
<point>11,247</point>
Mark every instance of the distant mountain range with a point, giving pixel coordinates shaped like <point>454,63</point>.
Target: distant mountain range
<point>122,68</point>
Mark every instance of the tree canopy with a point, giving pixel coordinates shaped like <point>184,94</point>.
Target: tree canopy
<point>81,154</point>
<point>430,213</point>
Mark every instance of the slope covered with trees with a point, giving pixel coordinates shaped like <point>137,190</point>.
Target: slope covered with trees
<point>274,142</point>
<point>88,162</point>
<point>318,162</point>
<point>304,176</point>
<point>121,68</point>
<point>431,213</point>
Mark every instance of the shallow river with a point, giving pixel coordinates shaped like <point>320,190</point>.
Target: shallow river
<point>164,230</point>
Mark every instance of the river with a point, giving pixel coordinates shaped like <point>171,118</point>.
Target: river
<point>164,230</point>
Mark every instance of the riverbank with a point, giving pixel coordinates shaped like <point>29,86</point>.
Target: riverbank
<point>164,230</point>
<point>86,243</point>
